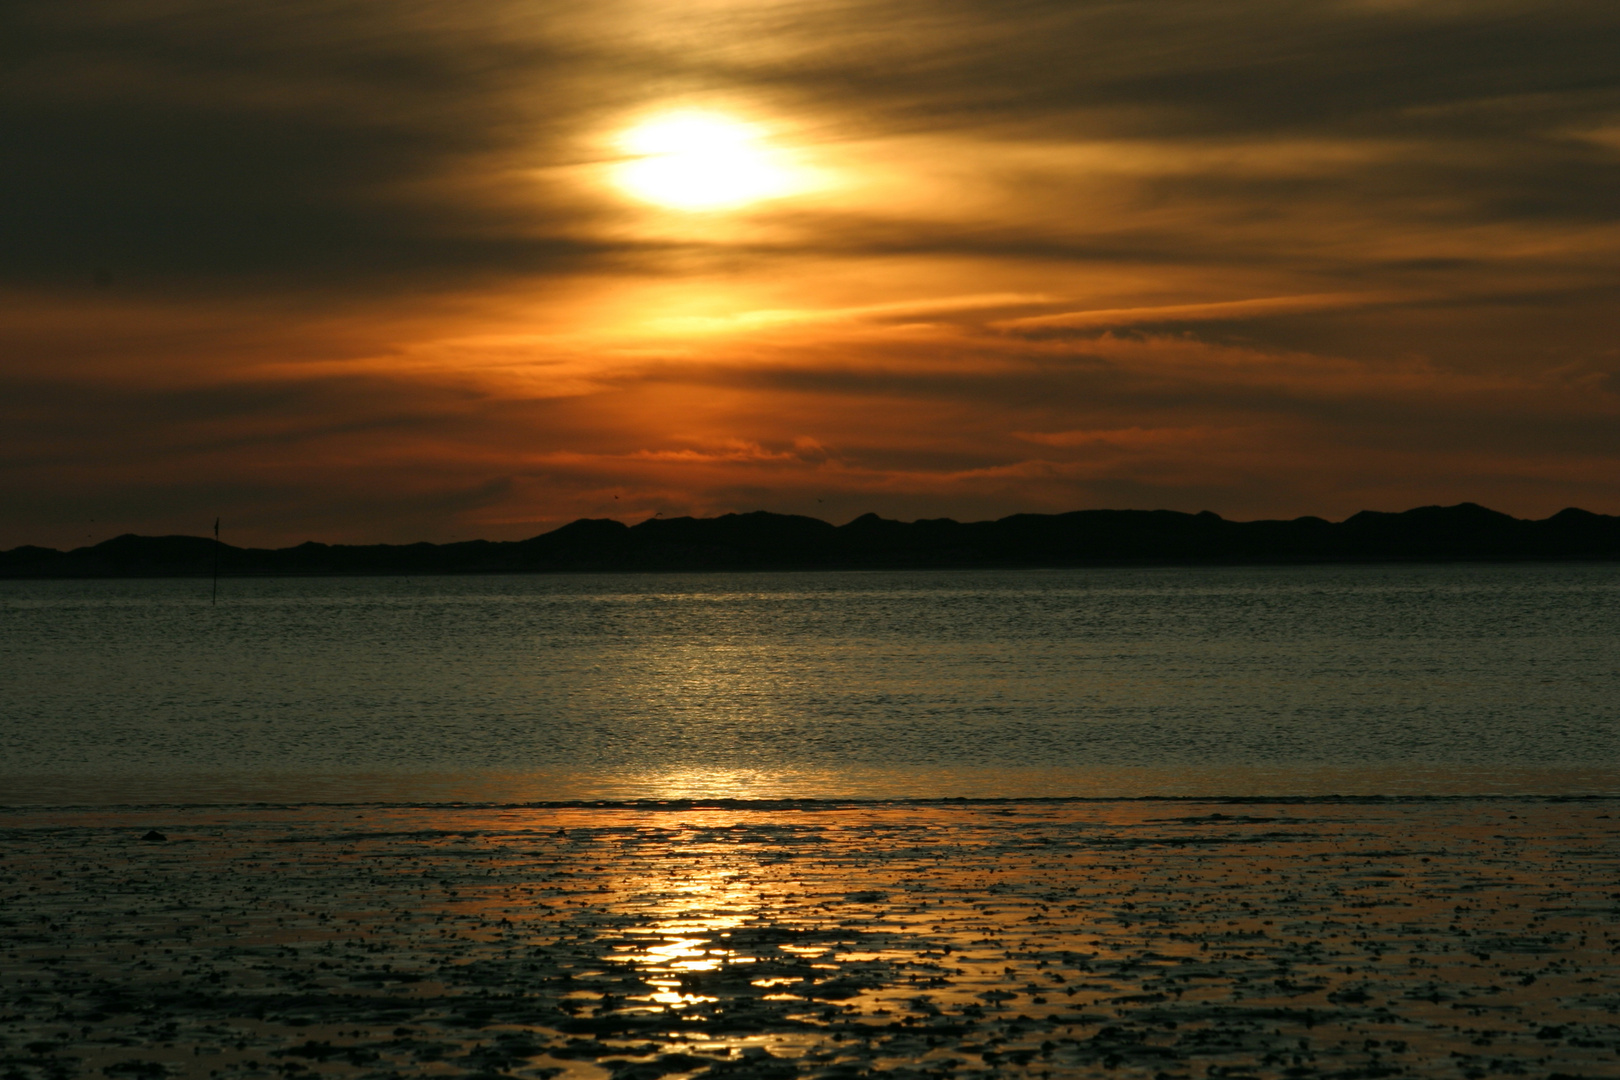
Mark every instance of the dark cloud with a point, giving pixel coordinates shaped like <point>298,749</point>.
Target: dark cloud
<point>293,146</point>
<point>322,141</point>
<point>1265,67</point>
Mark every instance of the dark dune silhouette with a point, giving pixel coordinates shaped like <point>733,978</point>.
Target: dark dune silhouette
<point>766,541</point>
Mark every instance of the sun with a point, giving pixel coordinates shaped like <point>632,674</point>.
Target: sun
<point>701,161</point>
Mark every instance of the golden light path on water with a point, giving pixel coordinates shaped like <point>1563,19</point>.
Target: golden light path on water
<point>691,929</point>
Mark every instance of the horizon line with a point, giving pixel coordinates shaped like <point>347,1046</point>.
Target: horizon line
<point>658,517</point>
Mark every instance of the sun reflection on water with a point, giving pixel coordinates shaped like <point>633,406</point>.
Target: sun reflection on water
<point>718,784</point>
<point>691,926</point>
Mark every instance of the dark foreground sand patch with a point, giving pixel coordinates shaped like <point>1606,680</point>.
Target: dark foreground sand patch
<point>1448,938</point>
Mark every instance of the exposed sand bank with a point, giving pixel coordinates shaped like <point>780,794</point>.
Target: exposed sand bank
<point>1176,939</point>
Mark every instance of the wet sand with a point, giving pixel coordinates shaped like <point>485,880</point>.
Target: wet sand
<point>1167,939</point>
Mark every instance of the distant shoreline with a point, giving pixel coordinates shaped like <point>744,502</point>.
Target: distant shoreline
<point>783,542</point>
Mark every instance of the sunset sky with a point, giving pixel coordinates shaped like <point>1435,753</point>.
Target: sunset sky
<point>387,270</point>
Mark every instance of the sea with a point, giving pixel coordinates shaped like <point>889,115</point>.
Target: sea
<point>1365,680</point>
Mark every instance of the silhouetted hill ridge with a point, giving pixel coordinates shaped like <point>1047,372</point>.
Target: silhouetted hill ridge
<point>761,540</point>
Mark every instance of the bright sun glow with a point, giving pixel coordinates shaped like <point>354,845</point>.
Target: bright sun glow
<point>701,161</point>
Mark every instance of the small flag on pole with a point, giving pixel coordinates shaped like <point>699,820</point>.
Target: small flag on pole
<point>214,599</point>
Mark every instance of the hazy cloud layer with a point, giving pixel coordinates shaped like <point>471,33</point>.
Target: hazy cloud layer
<point>360,270</point>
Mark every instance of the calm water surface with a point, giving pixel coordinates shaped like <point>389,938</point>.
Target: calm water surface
<point>1404,680</point>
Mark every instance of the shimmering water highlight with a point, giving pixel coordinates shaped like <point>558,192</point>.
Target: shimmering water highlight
<point>1472,679</point>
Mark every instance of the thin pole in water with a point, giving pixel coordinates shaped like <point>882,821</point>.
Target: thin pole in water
<point>215,598</point>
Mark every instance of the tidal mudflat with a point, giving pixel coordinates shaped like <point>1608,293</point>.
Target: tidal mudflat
<point>1171,939</point>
